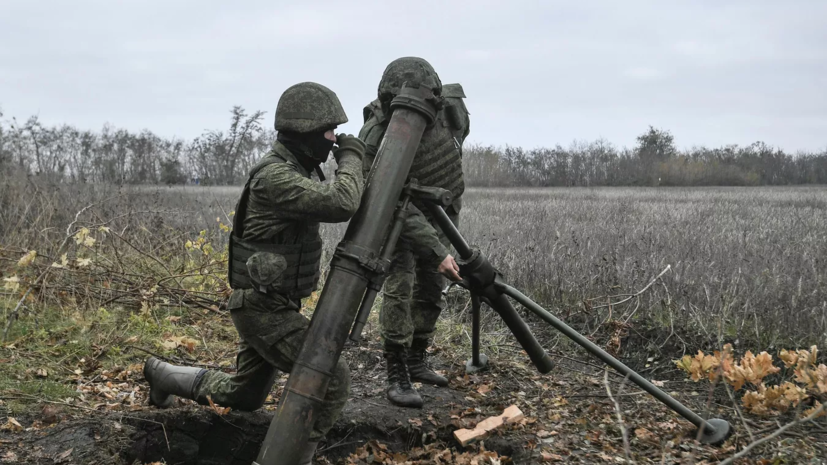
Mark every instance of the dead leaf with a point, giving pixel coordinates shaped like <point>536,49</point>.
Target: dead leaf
<point>645,435</point>
<point>64,455</point>
<point>41,373</point>
<point>9,457</point>
<point>186,342</point>
<point>221,411</point>
<point>12,425</point>
<point>549,457</point>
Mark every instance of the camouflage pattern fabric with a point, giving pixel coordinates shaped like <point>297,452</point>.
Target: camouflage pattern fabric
<point>454,95</point>
<point>412,293</point>
<point>420,237</point>
<point>308,107</point>
<point>438,160</point>
<point>272,331</point>
<point>285,207</point>
<point>413,70</point>
<point>412,296</point>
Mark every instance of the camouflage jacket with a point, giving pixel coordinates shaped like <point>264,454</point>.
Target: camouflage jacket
<point>279,214</point>
<point>286,205</point>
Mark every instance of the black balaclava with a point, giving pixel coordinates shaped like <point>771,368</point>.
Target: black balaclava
<point>311,149</point>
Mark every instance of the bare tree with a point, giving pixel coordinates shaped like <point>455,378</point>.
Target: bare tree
<point>217,157</point>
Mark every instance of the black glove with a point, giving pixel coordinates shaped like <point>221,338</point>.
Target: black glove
<point>348,143</point>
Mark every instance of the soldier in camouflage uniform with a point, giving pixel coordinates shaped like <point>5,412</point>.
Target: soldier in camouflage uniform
<point>412,294</point>
<point>275,253</point>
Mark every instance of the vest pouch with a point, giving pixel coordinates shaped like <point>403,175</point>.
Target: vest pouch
<point>266,271</point>
<point>453,116</point>
<point>301,265</point>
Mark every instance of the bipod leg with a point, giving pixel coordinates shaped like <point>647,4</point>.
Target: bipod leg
<point>483,278</point>
<point>478,361</point>
<point>714,431</point>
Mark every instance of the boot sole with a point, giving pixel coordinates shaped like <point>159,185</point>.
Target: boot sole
<point>406,405</point>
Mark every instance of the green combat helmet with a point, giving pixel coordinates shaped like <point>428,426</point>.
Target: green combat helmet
<point>308,107</point>
<point>412,70</point>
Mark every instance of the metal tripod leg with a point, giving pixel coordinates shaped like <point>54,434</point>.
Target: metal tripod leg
<point>713,431</point>
<point>478,361</point>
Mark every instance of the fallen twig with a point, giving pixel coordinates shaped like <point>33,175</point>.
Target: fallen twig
<point>774,435</point>
<point>80,407</point>
<point>631,296</point>
<point>42,275</point>
<point>623,431</point>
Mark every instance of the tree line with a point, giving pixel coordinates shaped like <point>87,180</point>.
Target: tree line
<point>67,154</point>
<point>654,161</point>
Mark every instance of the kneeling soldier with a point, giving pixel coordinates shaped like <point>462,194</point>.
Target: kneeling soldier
<point>275,253</point>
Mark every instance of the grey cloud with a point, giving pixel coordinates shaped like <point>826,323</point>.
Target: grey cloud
<point>536,73</point>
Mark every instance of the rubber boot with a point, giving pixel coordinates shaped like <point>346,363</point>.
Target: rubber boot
<point>418,366</point>
<point>166,380</point>
<point>400,391</point>
<point>308,453</point>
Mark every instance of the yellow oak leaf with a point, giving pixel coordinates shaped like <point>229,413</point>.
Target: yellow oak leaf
<point>27,259</point>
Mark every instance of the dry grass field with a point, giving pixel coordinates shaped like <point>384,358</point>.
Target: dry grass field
<point>745,264</point>
<point>119,271</point>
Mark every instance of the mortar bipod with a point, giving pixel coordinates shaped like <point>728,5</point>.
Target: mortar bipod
<point>480,278</point>
<point>478,361</point>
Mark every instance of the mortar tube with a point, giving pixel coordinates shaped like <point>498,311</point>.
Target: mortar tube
<point>387,253</point>
<point>347,281</point>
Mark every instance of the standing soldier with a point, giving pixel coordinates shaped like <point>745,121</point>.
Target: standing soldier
<point>275,253</point>
<point>412,295</point>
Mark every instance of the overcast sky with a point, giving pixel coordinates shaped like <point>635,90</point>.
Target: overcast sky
<point>537,73</point>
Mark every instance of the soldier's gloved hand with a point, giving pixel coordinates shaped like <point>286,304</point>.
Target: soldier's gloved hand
<point>348,144</point>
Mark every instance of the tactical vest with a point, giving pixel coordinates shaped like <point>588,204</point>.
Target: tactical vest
<point>438,159</point>
<point>301,276</point>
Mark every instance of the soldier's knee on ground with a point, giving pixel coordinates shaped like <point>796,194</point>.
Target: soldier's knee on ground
<point>241,393</point>
<point>252,402</point>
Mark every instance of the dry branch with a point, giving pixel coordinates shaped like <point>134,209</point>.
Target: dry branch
<point>774,435</point>
<point>623,431</point>
<point>631,296</point>
<point>42,275</point>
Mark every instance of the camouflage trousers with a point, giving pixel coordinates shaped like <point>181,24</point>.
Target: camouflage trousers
<point>412,296</point>
<point>272,332</point>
